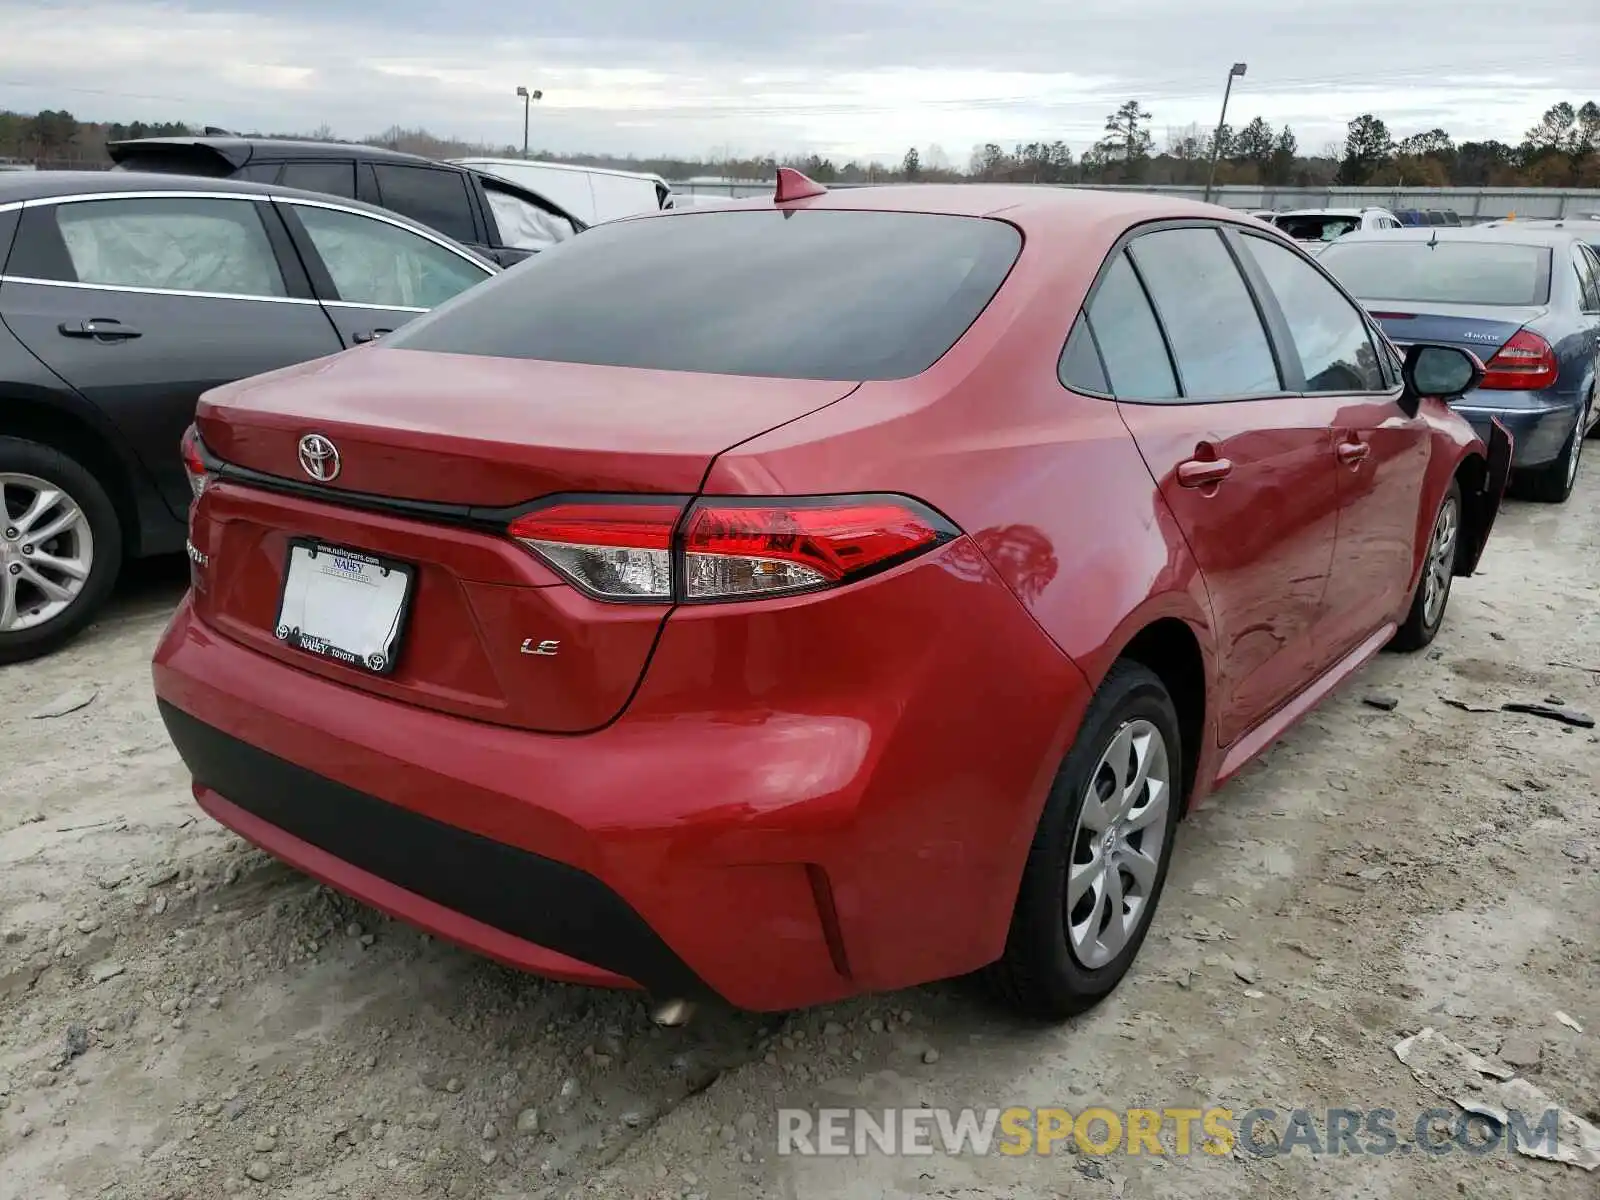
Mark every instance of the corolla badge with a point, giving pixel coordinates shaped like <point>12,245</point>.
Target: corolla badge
<point>319,458</point>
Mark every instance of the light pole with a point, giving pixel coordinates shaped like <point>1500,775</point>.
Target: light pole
<point>1234,72</point>
<point>527,99</point>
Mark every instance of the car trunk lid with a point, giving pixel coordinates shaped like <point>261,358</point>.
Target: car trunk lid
<point>434,450</point>
<point>1481,328</point>
<point>493,432</point>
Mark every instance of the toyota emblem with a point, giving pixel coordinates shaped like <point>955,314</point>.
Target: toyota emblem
<point>319,458</point>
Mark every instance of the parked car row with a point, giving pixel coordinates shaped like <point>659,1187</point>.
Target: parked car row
<point>496,217</point>
<point>126,295</point>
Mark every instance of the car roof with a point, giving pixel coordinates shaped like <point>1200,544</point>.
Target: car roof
<point>1331,212</point>
<point>473,160</point>
<point>1512,233</point>
<point>1034,209</point>
<point>237,151</point>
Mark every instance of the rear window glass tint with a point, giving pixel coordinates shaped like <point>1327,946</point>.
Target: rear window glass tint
<point>177,162</point>
<point>436,197</point>
<point>796,295</point>
<point>334,178</point>
<point>1456,272</point>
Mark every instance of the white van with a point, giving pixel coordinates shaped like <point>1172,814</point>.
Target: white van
<point>592,194</point>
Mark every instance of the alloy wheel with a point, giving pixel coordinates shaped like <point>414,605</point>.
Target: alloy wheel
<point>1441,562</point>
<point>46,551</point>
<point>1573,454</point>
<point>1117,844</point>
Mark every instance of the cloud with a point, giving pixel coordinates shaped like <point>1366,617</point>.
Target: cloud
<point>841,77</point>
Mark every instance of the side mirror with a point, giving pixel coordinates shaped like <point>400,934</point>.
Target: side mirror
<point>1445,372</point>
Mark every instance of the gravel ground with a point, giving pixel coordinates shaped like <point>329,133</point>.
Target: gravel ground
<point>182,1017</point>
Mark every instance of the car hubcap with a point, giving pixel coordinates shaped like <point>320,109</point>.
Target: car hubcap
<point>46,551</point>
<point>1441,561</point>
<point>1116,848</point>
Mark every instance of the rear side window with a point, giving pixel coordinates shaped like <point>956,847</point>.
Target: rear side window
<point>1080,368</point>
<point>1211,321</point>
<point>177,161</point>
<point>1125,329</point>
<point>439,199</point>
<point>796,295</point>
<point>332,177</point>
<point>1456,272</point>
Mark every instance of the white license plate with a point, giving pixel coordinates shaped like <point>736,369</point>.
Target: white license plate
<point>343,604</point>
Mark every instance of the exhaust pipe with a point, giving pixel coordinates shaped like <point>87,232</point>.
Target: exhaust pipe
<point>672,1014</point>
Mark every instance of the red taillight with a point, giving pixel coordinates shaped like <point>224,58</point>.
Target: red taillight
<point>734,548</point>
<point>1525,363</point>
<point>728,548</point>
<point>618,550</point>
<point>194,463</point>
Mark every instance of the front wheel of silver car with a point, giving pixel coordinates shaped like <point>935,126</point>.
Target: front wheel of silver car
<point>60,549</point>
<point>1100,854</point>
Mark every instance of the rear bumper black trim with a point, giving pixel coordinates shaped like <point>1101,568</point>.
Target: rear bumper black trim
<point>538,899</point>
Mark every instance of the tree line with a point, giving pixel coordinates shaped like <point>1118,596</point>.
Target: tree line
<point>1562,150</point>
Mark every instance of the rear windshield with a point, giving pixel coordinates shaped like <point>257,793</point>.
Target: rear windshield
<point>1322,227</point>
<point>176,162</point>
<point>794,295</point>
<point>1452,272</point>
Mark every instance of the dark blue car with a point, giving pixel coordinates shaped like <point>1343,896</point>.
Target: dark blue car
<point>1525,299</point>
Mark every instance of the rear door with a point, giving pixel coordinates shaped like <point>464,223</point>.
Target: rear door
<point>143,302</point>
<point>1381,453</point>
<point>374,275</point>
<point>1245,465</point>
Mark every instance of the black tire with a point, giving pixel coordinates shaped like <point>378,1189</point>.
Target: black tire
<point>21,457</point>
<point>1417,630</point>
<point>1040,976</point>
<point>1594,430</point>
<point>1552,483</point>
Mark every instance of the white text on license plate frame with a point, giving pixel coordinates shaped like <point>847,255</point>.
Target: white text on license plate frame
<point>344,605</point>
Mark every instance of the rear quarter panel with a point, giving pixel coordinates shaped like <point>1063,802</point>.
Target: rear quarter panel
<point>1048,484</point>
<point>1573,335</point>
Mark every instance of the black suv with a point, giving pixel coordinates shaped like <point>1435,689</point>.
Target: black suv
<point>495,217</point>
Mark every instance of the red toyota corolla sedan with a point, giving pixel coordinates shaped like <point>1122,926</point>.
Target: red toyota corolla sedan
<point>817,595</point>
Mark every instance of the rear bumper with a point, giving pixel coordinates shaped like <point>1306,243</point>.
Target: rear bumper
<point>765,823</point>
<point>518,907</point>
<point>1539,430</point>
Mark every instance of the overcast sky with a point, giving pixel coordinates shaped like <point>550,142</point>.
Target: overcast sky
<point>863,78</point>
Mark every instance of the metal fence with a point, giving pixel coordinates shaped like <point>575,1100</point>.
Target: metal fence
<point>1482,203</point>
